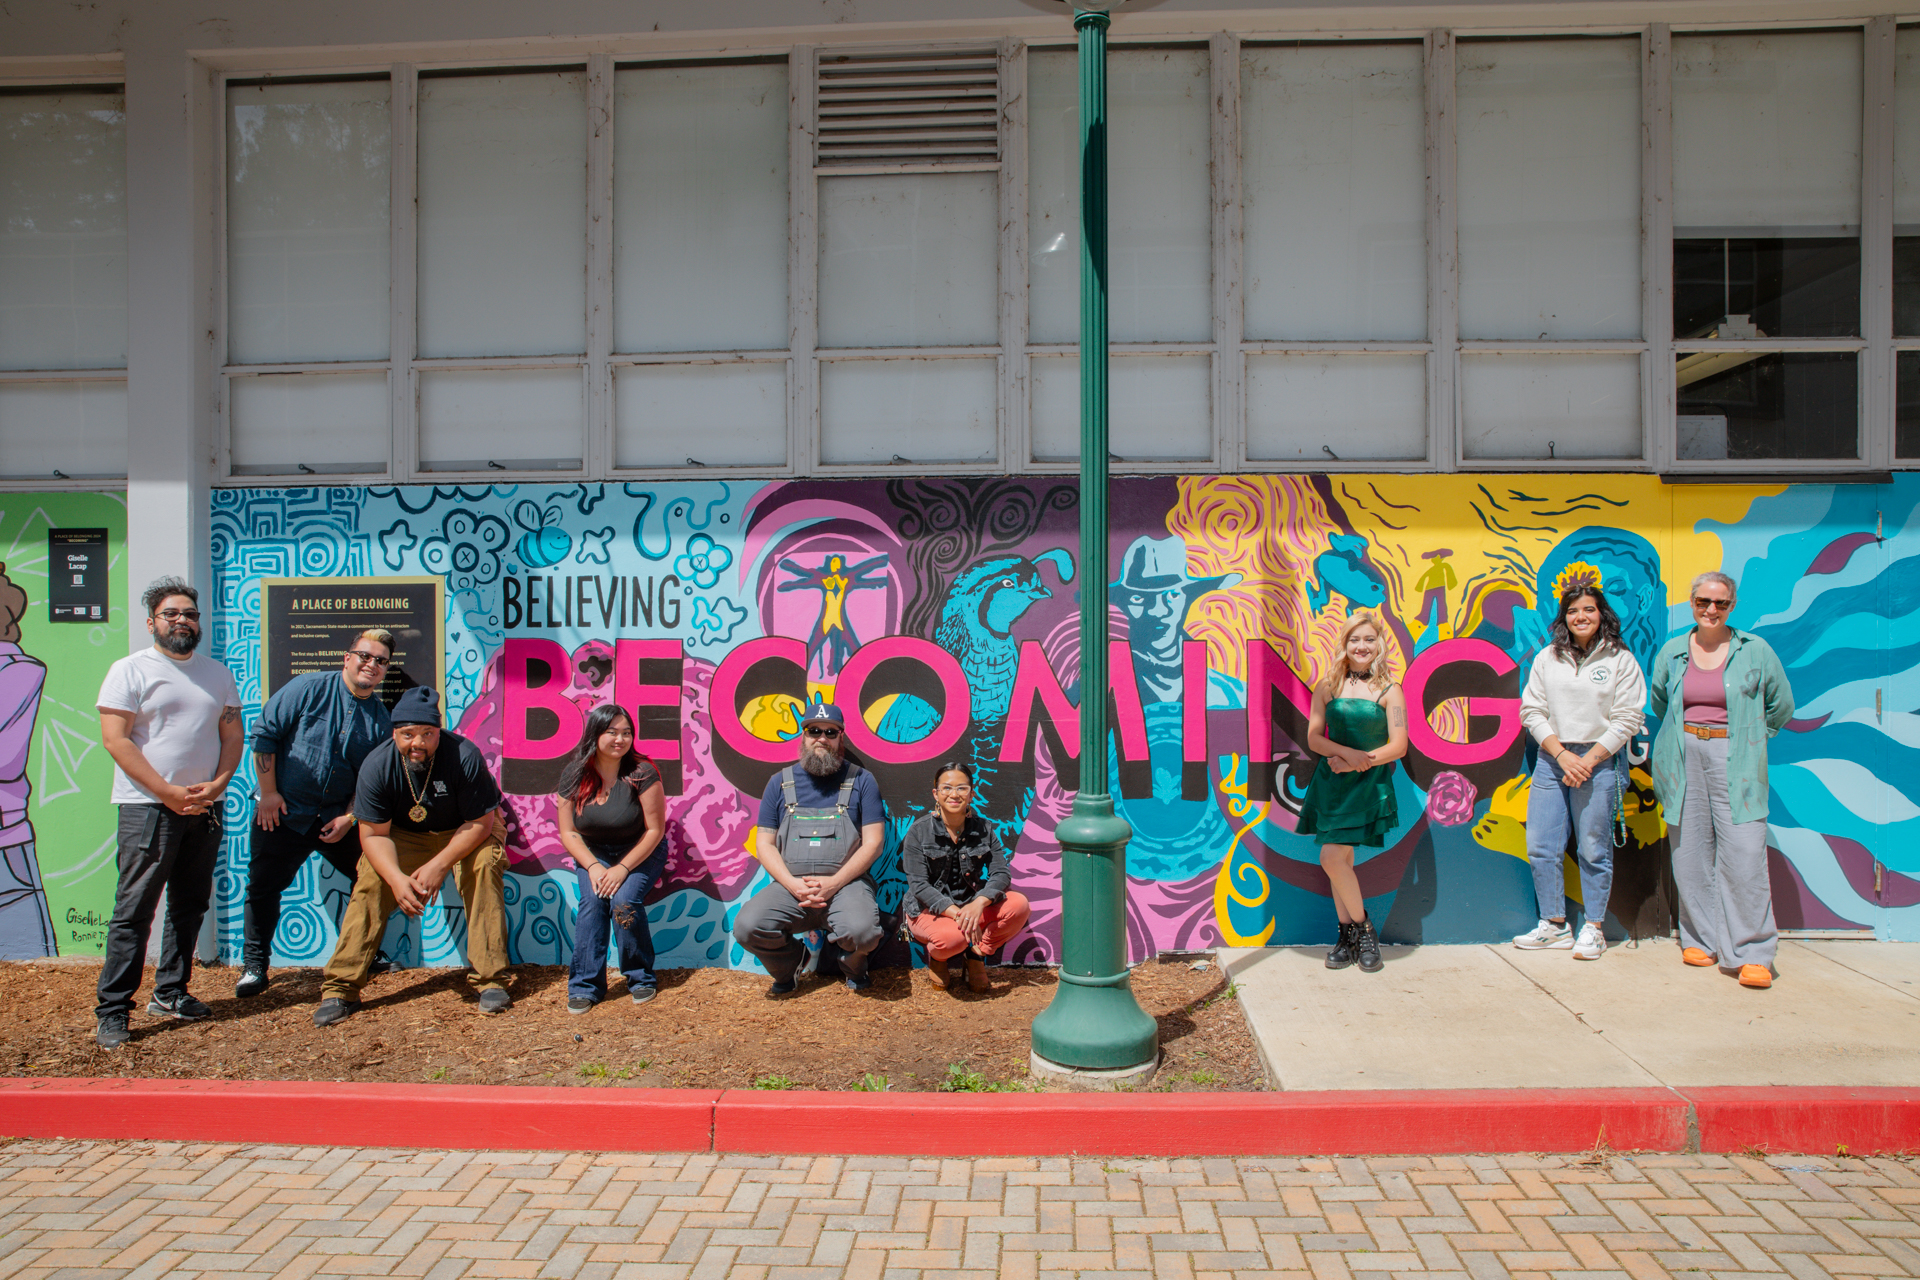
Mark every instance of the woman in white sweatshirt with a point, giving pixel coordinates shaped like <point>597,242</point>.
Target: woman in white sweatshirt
<point>1585,700</point>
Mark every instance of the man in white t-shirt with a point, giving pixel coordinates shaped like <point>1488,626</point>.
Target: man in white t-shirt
<point>170,718</point>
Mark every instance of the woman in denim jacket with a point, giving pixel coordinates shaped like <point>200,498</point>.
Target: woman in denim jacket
<point>958,884</point>
<point>1730,695</point>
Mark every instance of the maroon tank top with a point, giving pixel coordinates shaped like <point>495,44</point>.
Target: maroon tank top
<point>1704,694</point>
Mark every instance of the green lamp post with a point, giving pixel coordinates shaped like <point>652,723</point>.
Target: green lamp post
<point>1094,1028</point>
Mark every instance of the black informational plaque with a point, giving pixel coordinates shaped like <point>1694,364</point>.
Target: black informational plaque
<point>306,624</point>
<point>77,575</point>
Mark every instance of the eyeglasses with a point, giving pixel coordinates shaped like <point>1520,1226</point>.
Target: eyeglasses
<point>953,791</point>
<point>822,731</point>
<point>179,615</point>
<point>1703,602</point>
<point>366,659</point>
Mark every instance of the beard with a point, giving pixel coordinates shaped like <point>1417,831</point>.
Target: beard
<point>821,761</point>
<point>180,640</point>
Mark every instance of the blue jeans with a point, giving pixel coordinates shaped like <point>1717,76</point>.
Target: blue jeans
<point>1554,809</point>
<point>625,912</point>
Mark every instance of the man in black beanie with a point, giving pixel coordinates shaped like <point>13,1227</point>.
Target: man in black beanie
<point>426,805</point>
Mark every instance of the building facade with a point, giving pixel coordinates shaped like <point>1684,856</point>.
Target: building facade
<point>708,356</point>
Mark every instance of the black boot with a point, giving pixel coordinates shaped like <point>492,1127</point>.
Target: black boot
<point>1342,954</point>
<point>1366,945</point>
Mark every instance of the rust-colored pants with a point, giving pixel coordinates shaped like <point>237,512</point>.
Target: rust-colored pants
<point>942,937</point>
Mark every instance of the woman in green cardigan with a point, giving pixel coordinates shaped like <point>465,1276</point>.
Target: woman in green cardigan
<point>1720,694</point>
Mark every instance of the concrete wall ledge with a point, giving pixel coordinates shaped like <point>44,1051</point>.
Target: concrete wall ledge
<point>1864,1121</point>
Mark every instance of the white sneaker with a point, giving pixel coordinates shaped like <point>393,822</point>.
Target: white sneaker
<point>1546,936</point>
<point>1592,942</point>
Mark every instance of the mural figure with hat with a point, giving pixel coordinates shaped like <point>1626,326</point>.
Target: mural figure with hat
<point>26,928</point>
<point>426,806</point>
<point>1156,593</point>
<point>821,826</point>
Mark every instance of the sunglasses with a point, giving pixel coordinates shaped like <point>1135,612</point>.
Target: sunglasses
<point>179,615</point>
<point>820,731</point>
<point>1702,602</point>
<point>366,659</point>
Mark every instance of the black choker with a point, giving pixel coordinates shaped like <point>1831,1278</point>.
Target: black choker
<point>1359,675</point>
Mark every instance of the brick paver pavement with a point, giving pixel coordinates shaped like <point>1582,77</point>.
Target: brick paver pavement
<point>144,1210</point>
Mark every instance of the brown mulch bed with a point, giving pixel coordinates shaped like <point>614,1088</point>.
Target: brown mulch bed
<point>708,1028</point>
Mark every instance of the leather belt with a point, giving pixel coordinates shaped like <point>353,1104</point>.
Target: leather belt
<point>1703,732</point>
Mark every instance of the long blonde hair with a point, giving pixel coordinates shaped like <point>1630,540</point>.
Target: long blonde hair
<point>1336,675</point>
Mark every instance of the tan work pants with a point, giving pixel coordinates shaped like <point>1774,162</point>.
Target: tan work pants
<point>480,879</point>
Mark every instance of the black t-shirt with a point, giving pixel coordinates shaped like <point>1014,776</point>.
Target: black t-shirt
<point>611,828</point>
<point>456,789</point>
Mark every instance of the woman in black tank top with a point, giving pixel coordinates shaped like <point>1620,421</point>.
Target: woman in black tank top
<point>612,818</point>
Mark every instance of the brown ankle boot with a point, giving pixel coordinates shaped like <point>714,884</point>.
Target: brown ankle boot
<point>937,973</point>
<point>976,973</point>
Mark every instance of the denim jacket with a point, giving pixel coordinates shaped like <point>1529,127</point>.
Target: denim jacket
<point>943,873</point>
<point>1759,704</point>
<point>319,734</point>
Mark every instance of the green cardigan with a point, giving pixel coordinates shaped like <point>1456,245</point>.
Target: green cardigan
<point>1759,704</point>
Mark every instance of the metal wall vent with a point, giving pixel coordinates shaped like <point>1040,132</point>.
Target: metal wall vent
<point>932,107</point>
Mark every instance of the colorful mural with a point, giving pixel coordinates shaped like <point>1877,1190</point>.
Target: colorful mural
<point>56,828</point>
<point>941,613</point>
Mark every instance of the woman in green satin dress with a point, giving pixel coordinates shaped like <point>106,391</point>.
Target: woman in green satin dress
<point>1358,729</point>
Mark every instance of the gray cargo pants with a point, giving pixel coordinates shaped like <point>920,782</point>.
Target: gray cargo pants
<point>1720,867</point>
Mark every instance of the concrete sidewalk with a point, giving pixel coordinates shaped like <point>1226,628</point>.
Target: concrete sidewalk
<point>1492,1017</point>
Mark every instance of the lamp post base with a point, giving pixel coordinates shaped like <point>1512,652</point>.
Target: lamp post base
<point>1108,1079</point>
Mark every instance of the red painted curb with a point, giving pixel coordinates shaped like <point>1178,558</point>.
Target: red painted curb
<point>1865,1121</point>
<point>1410,1122</point>
<point>321,1113</point>
<point>1200,1124</point>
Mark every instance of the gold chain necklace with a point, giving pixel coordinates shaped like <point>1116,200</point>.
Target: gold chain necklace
<point>419,811</point>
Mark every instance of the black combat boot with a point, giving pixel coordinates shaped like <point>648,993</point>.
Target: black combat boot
<point>1342,954</point>
<point>1366,945</point>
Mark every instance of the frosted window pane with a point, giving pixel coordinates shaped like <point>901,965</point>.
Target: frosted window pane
<point>910,260</point>
<point>1159,408</point>
<point>329,422</point>
<point>523,419</point>
<point>1906,129</point>
<point>872,411</point>
<point>1159,202</point>
<point>1334,181</point>
<point>700,208</point>
<point>63,230</point>
<point>503,214</point>
<point>76,428</point>
<point>1301,406</point>
<point>309,185</point>
<point>1766,132</point>
<point>1549,189</point>
<point>716,415</point>
<point>1548,407</point>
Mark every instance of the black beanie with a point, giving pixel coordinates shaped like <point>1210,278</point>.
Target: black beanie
<point>418,705</point>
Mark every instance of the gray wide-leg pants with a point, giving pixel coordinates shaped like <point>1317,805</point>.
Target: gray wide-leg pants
<point>1720,867</point>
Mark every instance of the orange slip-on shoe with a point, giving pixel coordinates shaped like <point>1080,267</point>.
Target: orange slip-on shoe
<point>1755,975</point>
<point>1695,956</point>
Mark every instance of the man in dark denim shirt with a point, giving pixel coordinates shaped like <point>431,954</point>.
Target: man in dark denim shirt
<point>308,746</point>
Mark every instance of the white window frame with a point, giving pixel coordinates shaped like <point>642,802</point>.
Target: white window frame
<point>1228,349</point>
<point>54,82</point>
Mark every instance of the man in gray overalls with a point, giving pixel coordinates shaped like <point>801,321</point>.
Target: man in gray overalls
<point>819,830</point>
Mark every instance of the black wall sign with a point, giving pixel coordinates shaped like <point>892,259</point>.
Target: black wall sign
<point>306,624</point>
<point>77,575</point>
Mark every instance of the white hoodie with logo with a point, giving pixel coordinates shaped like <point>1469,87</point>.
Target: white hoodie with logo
<point>1601,698</point>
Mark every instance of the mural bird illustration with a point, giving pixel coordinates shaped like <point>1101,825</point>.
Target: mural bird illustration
<point>1344,569</point>
<point>976,627</point>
